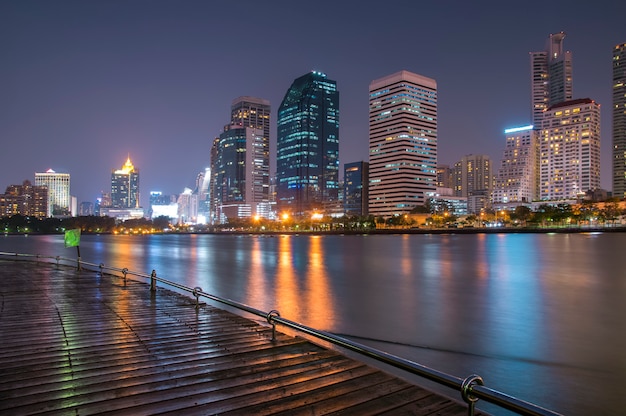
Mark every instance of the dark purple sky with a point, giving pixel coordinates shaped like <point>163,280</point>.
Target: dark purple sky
<point>85,83</point>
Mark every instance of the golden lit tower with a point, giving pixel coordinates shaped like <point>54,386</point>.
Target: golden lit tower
<point>125,186</point>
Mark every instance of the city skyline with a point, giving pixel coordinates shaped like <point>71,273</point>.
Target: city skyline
<point>89,83</point>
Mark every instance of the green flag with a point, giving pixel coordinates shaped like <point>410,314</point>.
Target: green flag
<point>72,238</point>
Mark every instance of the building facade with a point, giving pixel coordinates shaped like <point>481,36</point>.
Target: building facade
<point>619,121</point>
<point>86,209</point>
<point>125,186</point>
<point>473,175</point>
<point>402,142</point>
<point>551,76</point>
<point>239,172</point>
<point>203,190</point>
<point>24,199</point>
<point>59,199</point>
<point>307,160</point>
<point>255,113</point>
<point>356,188</point>
<point>444,176</point>
<point>570,150</point>
<point>517,179</point>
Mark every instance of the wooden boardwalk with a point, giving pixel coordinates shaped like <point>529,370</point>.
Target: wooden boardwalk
<point>78,343</point>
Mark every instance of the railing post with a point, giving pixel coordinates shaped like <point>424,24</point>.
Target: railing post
<point>270,319</point>
<point>197,295</point>
<point>153,281</point>
<point>466,393</point>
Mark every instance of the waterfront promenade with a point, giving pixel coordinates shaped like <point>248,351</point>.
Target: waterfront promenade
<point>78,342</point>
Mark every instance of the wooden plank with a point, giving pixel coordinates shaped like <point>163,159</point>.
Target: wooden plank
<point>80,343</point>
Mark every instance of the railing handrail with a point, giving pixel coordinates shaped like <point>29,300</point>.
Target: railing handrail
<point>471,388</point>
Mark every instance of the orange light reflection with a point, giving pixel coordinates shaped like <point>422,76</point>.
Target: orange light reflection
<point>318,293</point>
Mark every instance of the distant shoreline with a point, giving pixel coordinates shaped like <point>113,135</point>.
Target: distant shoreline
<point>498,230</point>
<point>468,230</point>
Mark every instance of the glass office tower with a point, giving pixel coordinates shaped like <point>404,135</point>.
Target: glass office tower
<point>307,161</point>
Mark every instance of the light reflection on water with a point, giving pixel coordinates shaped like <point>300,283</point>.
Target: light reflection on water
<point>538,316</point>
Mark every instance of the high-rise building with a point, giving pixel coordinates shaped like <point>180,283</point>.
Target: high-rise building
<point>570,150</point>
<point>58,184</point>
<point>619,121</point>
<point>213,200</point>
<point>187,207</point>
<point>402,142</point>
<point>307,160</point>
<point>356,188</point>
<point>125,186</point>
<point>203,191</point>
<point>551,76</point>
<point>517,179</point>
<point>24,199</point>
<point>473,174</point>
<point>255,113</point>
<point>239,172</point>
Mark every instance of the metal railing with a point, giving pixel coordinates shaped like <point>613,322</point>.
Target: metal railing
<point>472,388</point>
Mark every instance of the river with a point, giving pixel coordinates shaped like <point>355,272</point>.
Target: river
<point>540,317</point>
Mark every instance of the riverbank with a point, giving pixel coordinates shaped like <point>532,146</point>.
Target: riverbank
<point>467,230</point>
<point>388,231</point>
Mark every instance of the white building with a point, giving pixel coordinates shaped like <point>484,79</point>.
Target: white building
<point>517,179</point>
<point>187,207</point>
<point>59,199</point>
<point>402,142</point>
<point>570,149</point>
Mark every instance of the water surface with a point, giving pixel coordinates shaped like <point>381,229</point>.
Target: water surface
<point>538,316</point>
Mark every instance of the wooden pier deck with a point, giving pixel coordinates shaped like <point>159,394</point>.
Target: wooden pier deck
<point>78,343</point>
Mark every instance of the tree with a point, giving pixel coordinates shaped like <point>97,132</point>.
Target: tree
<point>522,214</point>
<point>161,222</point>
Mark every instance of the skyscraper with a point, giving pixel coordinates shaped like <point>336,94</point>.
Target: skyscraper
<point>570,149</point>
<point>252,112</point>
<point>619,121</point>
<point>551,76</point>
<point>125,186</point>
<point>58,185</point>
<point>402,142</point>
<point>213,200</point>
<point>518,177</point>
<point>307,161</point>
<point>239,172</point>
<point>255,113</point>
